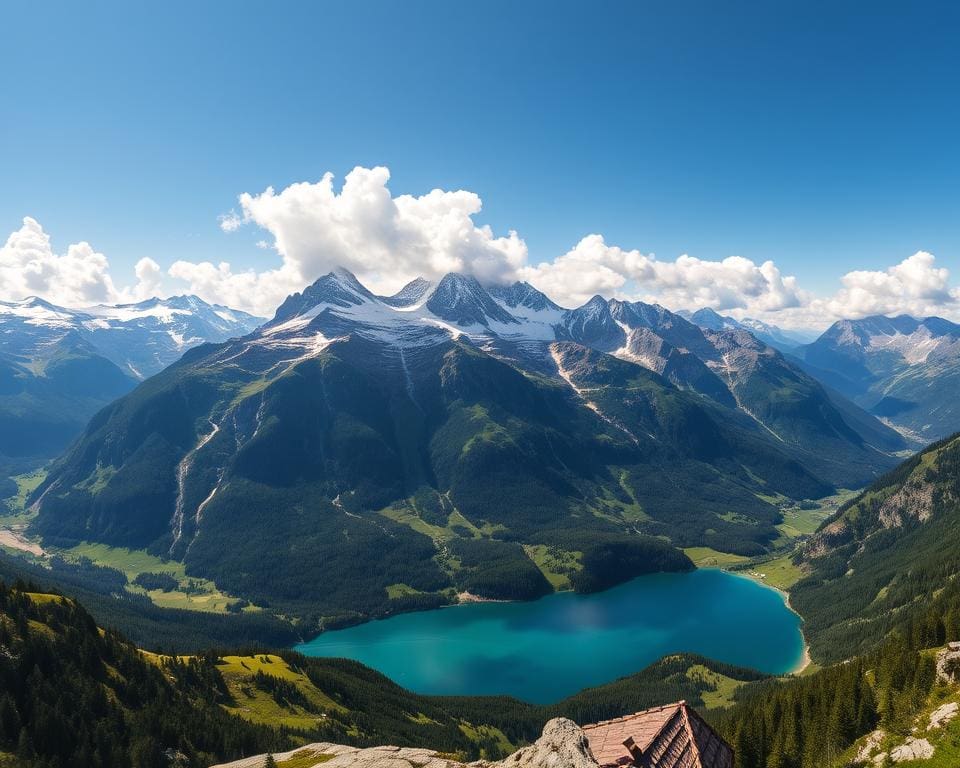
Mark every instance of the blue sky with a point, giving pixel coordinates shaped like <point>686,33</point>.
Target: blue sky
<point>821,136</point>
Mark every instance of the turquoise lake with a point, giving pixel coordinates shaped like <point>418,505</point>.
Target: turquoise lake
<point>548,649</point>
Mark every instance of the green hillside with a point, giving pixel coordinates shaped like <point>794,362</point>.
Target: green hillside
<point>327,492</point>
<point>46,399</point>
<point>884,555</point>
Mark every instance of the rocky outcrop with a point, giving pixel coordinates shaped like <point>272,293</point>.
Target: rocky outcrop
<point>562,745</point>
<point>870,745</point>
<point>914,499</point>
<point>943,715</point>
<point>912,749</point>
<point>948,662</point>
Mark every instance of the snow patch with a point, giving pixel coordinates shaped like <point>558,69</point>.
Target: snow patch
<point>914,348</point>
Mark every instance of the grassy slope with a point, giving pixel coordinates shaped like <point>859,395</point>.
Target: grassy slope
<point>16,505</point>
<point>193,593</point>
<point>259,706</point>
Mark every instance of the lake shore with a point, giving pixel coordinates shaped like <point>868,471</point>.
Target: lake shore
<point>464,598</point>
<point>805,659</point>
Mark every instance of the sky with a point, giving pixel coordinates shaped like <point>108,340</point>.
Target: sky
<point>793,161</point>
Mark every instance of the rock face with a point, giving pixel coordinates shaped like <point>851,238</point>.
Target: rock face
<point>562,745</point>
<point>871,744</point>
<point>943,714</point>
<point>948,659</point>
<point>340,756</point>
<point>912,749</point>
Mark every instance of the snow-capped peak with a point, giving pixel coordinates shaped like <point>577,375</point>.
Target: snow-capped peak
<point>37,311</point>
<point>462,300</point>
<point>339,288</point>
<point>142,337</point>
<point>522,294</point>
<point>411,294</point>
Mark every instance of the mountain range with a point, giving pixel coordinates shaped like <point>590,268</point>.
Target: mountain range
<point>902,369</point>
<point>59,366</point>
<point>363,454</point>
<point>772,335</point>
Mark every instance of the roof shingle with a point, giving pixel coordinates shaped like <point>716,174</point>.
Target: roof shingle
<point>671,736</point>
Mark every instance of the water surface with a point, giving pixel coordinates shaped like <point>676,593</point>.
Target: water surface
<point>556,646</point>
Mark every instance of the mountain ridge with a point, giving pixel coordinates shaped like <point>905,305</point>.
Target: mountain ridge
<point>457,446</point>
<point>773,335</point>
<point>902,369</point>
<point>165,328</point>
<point>59,366</point>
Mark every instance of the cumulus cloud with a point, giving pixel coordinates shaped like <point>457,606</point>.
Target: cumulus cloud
<point>915,286</point>
<point>742,288</point>
<point>734,283</point>
<point>591,267</point>
<point>149,280</point>
<point>385,240</point>
<point>308,228</point>
<point>79,277</point>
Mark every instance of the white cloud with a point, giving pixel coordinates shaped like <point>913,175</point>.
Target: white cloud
<point>385,240</point>
<point>742,288</point>
<point>309,228</point>
<point>591,267</point>
<point>149,280</point>
<point>80,277</point>
<point>915,286</point>
<point>734,283</point>
<point>230,222</point>
<point>257,292</point>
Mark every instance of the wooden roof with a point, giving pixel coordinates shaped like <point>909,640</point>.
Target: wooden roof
<point>671,736</point>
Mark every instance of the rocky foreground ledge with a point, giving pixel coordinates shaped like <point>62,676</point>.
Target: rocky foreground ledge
<point>562,745</point>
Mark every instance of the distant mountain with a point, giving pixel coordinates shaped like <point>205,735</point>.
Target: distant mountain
<point>772,335</point>
<point>141,339</point>
<point>59,366</point>
<point>903,370</point>
<point>360,455</point>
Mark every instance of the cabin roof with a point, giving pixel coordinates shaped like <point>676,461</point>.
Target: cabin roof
<point>671,736</point>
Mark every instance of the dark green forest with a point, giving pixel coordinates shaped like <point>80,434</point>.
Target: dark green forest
<point>807,722</point>
<point>71,695</point>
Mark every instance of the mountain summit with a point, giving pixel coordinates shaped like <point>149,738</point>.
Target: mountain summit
<point>460,299</point>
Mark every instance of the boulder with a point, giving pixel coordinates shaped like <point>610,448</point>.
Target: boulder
<point>948,661</point>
